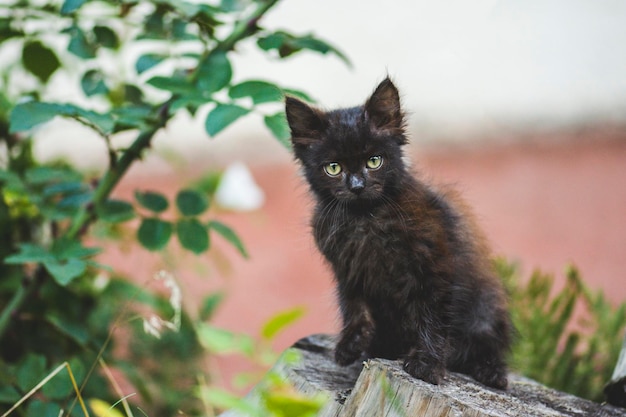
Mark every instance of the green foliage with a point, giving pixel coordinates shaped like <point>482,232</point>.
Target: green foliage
<point>568,338</point>
<point>57,304</point>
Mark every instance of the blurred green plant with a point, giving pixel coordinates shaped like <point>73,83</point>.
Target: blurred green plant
<point>130,66</point>
<point>569,338</point>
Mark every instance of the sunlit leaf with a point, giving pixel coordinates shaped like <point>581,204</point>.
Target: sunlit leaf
<point>218,340</point>
<point>191,202</point>
<point>153,233</point>
<point>39,60</point>
<point>210,305</point>
<point>280,321</point>
<point>222,116</point>
<point>101,408</point>
<point>192,235</point>
<point>228,401</point>
<point>230,235</point>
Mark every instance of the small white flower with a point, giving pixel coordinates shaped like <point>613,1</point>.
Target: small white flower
<point>154,325</point>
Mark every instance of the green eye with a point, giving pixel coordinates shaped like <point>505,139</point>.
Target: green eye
<point>333,169</point>
<point>375,162</point>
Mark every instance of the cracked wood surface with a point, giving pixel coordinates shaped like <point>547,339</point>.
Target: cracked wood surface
<point>379,387</point>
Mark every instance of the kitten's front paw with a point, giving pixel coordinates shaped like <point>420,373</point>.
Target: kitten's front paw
<point>495,377</point>
<point>347,352</point>
<point>432,373</point>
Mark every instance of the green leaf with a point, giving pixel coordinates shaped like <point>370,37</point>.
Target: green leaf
<point>29,253</point>
<point>277,124</point>
<point>225,400</point>
<point>65,271</point>
<point>280,321</point>
<point>287,44</point>
<point>39,60</point>
<point>192,235</point>
<point>30,371</point>
<point>70,6</point>
<point>92,83</point>
<point>289,402</point>
<point>77,332</point>
<point>228,234</point>
<point>191,202</point>
<point>27,115</point>
<point>222,116</point>
<point>8,395</point>
<point>210,304</point>
<point>61,386</point>
<point>106,37</point>
<point>79,44</point>
<point>218,340</point>
<point>153,201</point>
<point>115,211</point>
<point>153,233</point>
<point>44,174</point>
<point>259,91</point>
<point>174,84</point>
<point>147,61</point>
<point>214,72</point>
<point>38,408</point>
<point>65,249</point>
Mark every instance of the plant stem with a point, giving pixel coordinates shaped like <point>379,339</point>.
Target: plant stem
<point>245,27</point>
<point>108,182</point>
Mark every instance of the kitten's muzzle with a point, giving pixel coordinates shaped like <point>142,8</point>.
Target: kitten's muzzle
<point>356,183</point>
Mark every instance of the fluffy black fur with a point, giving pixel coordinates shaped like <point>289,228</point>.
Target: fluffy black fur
<point>413,274</point>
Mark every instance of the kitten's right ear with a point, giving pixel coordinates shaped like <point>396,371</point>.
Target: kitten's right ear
<point>305,122</point>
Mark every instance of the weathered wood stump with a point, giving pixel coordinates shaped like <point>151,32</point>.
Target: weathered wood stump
<point>380,387</point>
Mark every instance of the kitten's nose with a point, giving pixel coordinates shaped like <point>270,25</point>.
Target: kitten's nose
<point>356,184</point>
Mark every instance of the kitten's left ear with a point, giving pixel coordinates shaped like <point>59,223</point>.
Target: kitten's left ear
<point>305,122</point>
<point>384,111</point>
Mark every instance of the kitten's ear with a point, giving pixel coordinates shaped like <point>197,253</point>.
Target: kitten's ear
<point>305,122</point>
<point>383,109</point>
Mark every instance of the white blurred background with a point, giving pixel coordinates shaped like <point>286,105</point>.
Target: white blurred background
<point>465,69</point>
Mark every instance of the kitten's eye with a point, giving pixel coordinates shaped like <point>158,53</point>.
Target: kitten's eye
<point>333,169</point>
<point>375,162</point>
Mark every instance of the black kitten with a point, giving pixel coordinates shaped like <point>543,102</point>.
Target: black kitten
<point>413,274</point>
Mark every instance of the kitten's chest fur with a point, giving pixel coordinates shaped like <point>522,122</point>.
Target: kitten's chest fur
<point>369,250</point>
